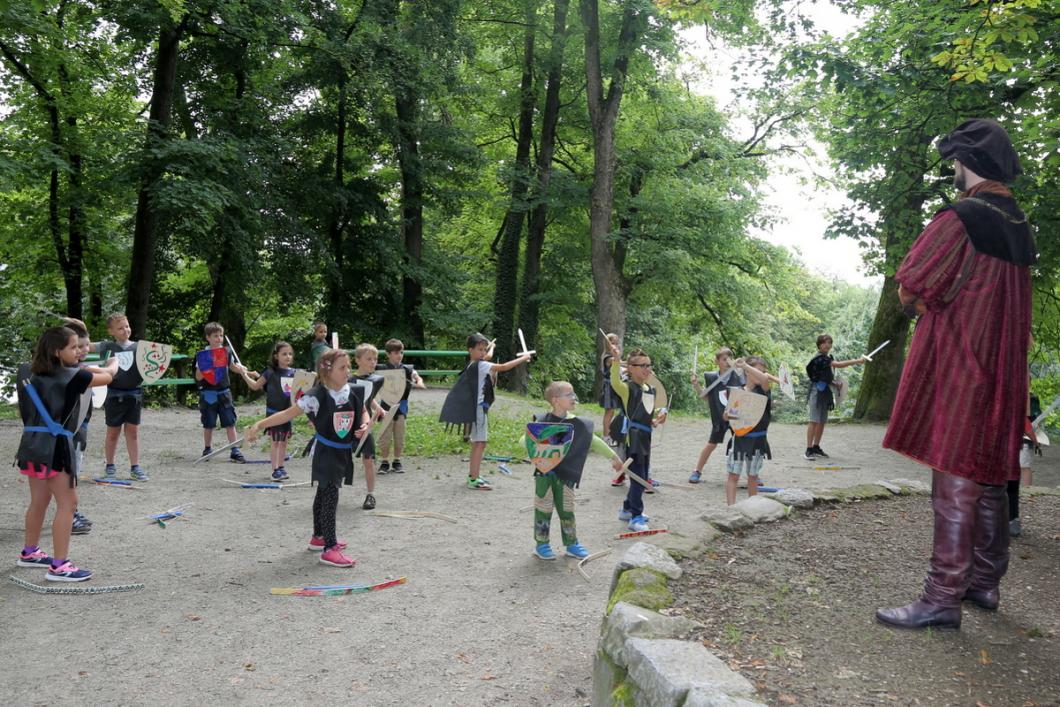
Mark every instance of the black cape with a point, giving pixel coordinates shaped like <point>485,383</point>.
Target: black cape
<point>459,408</point>
<point>997,227</point>
<point>570,469</point>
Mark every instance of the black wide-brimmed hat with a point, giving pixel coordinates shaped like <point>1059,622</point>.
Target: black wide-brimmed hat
<point>984,147</point>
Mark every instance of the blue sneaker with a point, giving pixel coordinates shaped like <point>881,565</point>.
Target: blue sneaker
<point>639,523</point>
<point>623,514</point>
<point>544,552</point>
<point>37,558</point>
<point>67,572</point>
<point>279,474</point>
<point>110,472</point>
<point>576,550</point>
<point>694,478</point>
<point>137,474</point>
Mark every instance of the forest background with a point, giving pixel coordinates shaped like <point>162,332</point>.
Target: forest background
<point>429,169</point>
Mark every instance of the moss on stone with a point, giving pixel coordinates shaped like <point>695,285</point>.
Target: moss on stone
<point>642,587</point>
<point>862,491</point>
<point>624,695</point>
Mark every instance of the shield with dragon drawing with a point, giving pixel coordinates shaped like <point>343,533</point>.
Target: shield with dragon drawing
<point>547,443</point>
<point>152,359</point>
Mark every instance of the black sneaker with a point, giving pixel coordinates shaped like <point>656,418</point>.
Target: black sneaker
<point>396,467</point>
<point>81,525</point>
<point>809,454</point>
<point>206,451</point>
<point>384,468</point>
<point>237,456</point>
<point>369,502</point>
<point>819,452</point>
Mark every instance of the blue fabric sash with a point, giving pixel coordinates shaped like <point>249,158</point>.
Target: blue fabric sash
<point>51,426</point>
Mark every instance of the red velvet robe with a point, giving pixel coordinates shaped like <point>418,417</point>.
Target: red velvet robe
<point>962,398</point>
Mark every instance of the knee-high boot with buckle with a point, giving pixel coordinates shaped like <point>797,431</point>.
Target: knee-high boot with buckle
<point>991,548</point>
<point>954,500</point>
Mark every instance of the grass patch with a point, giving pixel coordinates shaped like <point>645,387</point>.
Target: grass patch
<point>8,411</point>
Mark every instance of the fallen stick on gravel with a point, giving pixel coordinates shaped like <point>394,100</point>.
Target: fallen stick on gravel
<point>335,589</point>
<point>36,588</point>
<point>264,485</point>
<point>591,557</point>
<point>640,533</point>
<point>411,514</point>
<point>117,484</point>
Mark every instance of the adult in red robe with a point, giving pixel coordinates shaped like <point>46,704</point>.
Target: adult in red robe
<point>961,401</point>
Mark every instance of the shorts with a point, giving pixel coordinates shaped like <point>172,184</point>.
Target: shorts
<point>43,471</point>
<point>480,430</point>
<point>813,411</point>
<point>223,408</point>
<point>367,449</point>
<point>746,465</point>
<point>122,408</point>
<point>279,433</point>
<point>1026,455</point>
<point>609,399</point>
<point>717,432</point>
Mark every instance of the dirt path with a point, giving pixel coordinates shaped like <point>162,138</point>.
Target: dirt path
<point>480,620</point>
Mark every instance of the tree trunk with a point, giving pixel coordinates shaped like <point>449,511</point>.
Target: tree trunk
<point>507,274</point>
<point>145,236</point>
<point>879,383</point>
<point>411,209</point>
<point>336,296</point>
<point>610,284</point>
<point>529,303</point>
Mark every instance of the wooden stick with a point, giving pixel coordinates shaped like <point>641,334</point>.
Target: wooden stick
<point>217,451</point>
<point>591,557</point>
<point>640,533</point>
<point>411,515</point>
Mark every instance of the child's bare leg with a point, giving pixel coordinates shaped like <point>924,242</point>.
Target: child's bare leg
<point>207,437</point>
<point>704,455</point>
<point>132,443</point>
<point>110,443</point>
<point>811,430</point>
<point>1026,476</point>
<point>369,475</point>
<point>818,434</point>
<point>478,449</point>
<point>65,503</point>
<point>282,454</point>
<point>730,488</point>
<point>231,433</point>
<point>609,413</point>
<point>275,455</point>
<point>40,496</point>
<point>752,486</point>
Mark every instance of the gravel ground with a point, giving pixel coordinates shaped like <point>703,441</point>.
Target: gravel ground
<point>480,620</point>
<point>791,607</point>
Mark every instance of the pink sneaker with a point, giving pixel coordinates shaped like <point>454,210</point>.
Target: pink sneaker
<point>316,544</point>
<point>334,557</point>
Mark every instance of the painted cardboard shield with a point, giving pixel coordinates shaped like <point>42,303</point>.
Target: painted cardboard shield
<point>84,407</point>
<point>745,410</point>
<point>212,364</point>
<point>99,396</point>
<point>661,400</point>
<point>152,359</point>
<point>394,382</point>
<point>343,423</point>
<point>786,384</point>
<point>841,390</point>
<point>285,384</point>
<point>547,443</point>
<point>300,383</point>
<point>1041,437</point>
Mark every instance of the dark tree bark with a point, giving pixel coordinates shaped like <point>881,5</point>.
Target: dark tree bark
<point>412,195</point>
<point>529,301</point>
<point>607,258</point>
<point>507,274</point>
<point>879,384</point>
<point>69,254</point>
<point>336,296</point>
<point>145,236</point>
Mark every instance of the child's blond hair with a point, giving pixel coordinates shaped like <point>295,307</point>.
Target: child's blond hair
<point>554,389</point>
<point>362,349</point>
<point>327,360</point>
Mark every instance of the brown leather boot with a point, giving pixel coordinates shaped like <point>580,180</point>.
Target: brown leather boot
<point>954,500</point>
<point>991,548</point>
